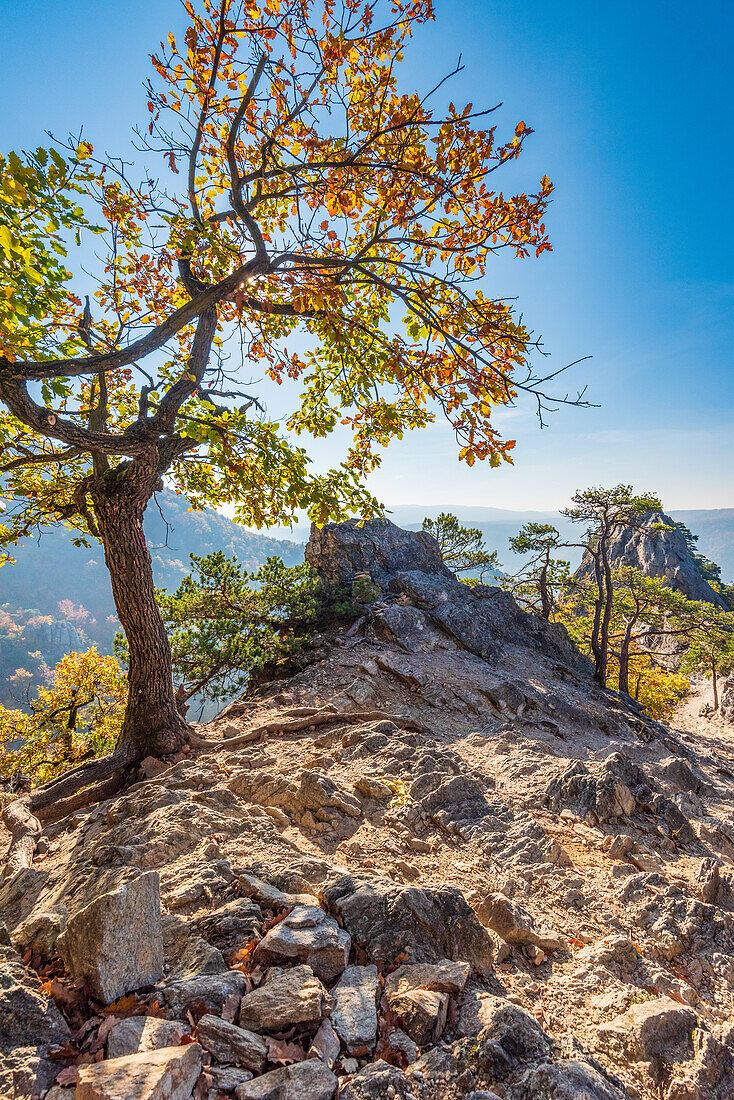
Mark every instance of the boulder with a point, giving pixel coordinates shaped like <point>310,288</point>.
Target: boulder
<point>656,547</point>
<point>339,551</point>
<point>422,1014</point>
<point>310,936</point>
<point>142,1033</point>
<point>514,924</point>
<point>30,1025</point>
<point>354,1015</point>
<point>210,990</point>
<point>379,1080</point>
<point>114,945</point>
<point>443,976</point>
<point>168,1074</point>
<point>229,1043</point>
<point>427,924</point>
<point>510,1038</point>
<point>310,1080</point>
<point>566,1080</point>
<point>650,1031</point>
<point>294,997</point>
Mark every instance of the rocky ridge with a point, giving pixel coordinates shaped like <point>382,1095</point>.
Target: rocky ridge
<point>439,863</point>
<point>657,548</point>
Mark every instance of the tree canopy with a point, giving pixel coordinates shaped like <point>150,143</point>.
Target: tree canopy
<point>313,222</point>
<point>462,548</point>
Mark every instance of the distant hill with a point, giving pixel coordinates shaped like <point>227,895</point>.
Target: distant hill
<point>57,597</point>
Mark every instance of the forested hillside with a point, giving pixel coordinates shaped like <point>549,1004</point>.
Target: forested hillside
<point>57,597</point>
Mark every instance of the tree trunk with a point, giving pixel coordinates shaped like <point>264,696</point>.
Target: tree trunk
<point>716,686</point>
<point>596,627</point>
<point>624,661</point>
<point>152,725</point>
<point>545,600</point>
<point>601,671</point>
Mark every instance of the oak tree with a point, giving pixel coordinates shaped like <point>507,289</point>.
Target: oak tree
<point>312,222</point>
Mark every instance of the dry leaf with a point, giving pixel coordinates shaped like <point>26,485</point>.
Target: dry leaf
<point>283,1053</point>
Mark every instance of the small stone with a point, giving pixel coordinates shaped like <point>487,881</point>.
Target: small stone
<point>444,976</point>
<point>141,1033</point>
<point>114,945</point>
<point>354,1015</point>
<point>293,997</point>
<point>373,788</point>
<point>515,925</point>
<point>229,1043</point>
<point>310,936</point>
<point>167,1074</point>
<point>398,1040</point>
<point>422,1014</point>
<point>325,1044</point>
<point>310,1080</point>
<point>211,990</point>
<point>535,954</point>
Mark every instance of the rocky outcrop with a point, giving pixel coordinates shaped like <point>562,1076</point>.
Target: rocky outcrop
<point>407,568</point>
<point>657,548</point>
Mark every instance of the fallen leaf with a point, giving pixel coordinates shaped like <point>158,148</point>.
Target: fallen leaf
<point>282,1053</point>
<point>67,1076</point>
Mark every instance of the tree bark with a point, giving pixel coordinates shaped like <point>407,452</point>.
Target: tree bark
<point>715,684</point>
<point>545,599</point>
<point>624,661</point>
<point>152,725</point>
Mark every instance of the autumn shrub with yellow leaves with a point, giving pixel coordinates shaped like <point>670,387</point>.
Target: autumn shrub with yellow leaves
<point>78,715</point>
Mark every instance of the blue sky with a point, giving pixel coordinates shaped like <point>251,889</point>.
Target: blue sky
<point>632,110</point>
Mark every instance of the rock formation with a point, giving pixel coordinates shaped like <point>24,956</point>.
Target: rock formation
<point>658,549</point>
<point>438,864</point>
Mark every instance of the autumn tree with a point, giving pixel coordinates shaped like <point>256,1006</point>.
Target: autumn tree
<point>711,648</point>
<point>312,222</point>
<point>543,577</point>
<point>605,512</point>
<point>78,714</point>
<point>462,548</point>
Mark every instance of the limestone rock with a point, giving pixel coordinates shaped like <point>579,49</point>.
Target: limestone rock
<point>30,1025</point>
<point>376,1081</point>
<point>142,1033</point>
<point>428,924</point>
<point>509,1038</point>
<point>338,551</point>
<point>354,1015</point>
<point>229,1043</point>
<point>167,1074</point>
<point>566,1080</point>
<point>114,945</point>
<point>649,1031</point>
<point>293,997</point>
<point>443,976</point>
<point>325,1044</point>
<point>310,1080</point>
<point>309,935</point>
<point>515,925</point>
<point>211,990</point>
<point>657,548</point>
<point>230,926</point>
<point>422,1013</point>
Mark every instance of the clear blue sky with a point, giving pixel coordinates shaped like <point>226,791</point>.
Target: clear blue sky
<point>632,107</point>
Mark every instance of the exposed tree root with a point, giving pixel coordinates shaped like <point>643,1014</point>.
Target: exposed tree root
<point>310,718</point>
<point>24,830</point>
